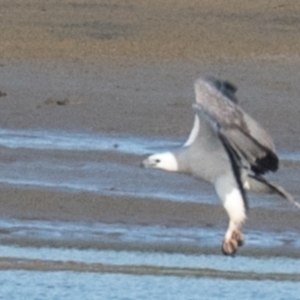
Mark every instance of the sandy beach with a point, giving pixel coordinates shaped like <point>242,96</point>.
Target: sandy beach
<point>78,69</point>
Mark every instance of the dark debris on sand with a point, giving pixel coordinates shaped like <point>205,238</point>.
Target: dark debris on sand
<point>2,94</point>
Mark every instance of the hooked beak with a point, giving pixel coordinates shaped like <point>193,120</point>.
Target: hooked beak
<point>147,163</point>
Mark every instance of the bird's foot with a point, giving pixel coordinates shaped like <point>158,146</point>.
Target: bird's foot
<point>231,243</point>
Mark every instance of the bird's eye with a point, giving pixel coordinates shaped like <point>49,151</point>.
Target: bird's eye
<point>157,161</point>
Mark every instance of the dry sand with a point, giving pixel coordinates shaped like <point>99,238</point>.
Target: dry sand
<point>105,30</point>
<point>129,67</point>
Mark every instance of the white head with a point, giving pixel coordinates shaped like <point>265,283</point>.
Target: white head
<point>165,161</point>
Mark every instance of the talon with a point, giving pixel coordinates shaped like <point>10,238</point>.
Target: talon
<point>229,247</point>
<point>231,243</point>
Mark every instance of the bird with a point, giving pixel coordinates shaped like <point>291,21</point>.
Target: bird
<point>227,148</point>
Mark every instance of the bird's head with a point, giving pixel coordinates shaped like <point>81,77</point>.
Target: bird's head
<point>165,161</point>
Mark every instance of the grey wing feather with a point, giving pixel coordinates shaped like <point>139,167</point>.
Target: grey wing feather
<point>243,134</point>
<point>260,158</point>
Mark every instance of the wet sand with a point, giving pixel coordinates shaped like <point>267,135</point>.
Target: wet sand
<point>59,206</point>
<point>106,67</point>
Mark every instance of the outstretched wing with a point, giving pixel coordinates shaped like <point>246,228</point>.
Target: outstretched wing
<point>240,132</point>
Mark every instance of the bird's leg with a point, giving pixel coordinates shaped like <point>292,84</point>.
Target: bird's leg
<point>233,239</point>
<point>234,201</point>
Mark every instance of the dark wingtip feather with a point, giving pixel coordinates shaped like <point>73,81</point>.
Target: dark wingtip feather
<point>227,88</point>
<point>270,162</point>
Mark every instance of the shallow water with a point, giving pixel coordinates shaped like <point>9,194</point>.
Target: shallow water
<point>63,140</point>
<point>49,234</point>
<point>74,285</point>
